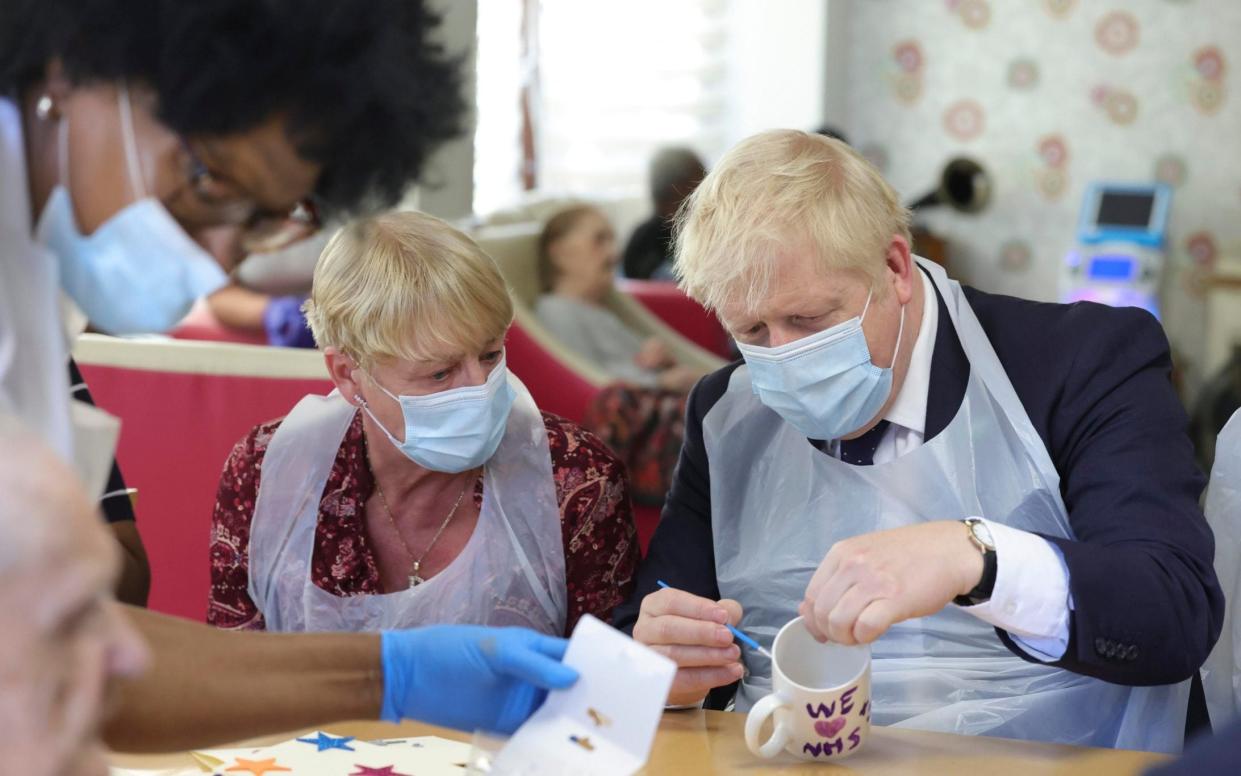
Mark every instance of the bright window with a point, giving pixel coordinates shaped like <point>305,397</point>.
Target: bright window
<point>607,84</point>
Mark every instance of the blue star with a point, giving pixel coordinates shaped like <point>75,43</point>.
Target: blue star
<point>326,742</point>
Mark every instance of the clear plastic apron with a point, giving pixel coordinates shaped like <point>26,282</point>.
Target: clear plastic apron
<point>34,348</point>
<point>38,329</point>
<point>778,505</point>
<point>511,571</point>
<point>1221,675</point>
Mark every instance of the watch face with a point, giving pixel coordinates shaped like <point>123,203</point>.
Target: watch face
<point>982,533</point>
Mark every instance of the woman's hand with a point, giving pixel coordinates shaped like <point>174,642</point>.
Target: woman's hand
<point>654,355</point>
<point>690,630</point>
<point>679,378</point>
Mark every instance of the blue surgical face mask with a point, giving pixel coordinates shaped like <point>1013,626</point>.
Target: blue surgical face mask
<point>456,430</point>
<point>824,385</point>
<point>139,271</point>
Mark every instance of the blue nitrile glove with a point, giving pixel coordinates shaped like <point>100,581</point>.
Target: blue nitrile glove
<point>285,323</point>
<point>470,677</point>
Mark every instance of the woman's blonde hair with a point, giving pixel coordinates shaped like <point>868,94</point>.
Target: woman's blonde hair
<point>779,192</point>
<point>406,285</point>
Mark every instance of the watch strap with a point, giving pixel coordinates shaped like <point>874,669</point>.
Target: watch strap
<point>986,585</point>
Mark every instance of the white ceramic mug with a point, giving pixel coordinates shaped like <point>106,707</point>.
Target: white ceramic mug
<point>821,698</point>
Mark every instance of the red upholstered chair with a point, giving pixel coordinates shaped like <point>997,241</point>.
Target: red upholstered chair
<point>555,385</point>
<point>687,317</point>
<point>183,405</point>
<point>646,519</point>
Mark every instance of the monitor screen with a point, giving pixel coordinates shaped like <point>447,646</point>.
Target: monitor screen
<point>1125,209</point>
<point>1111,267</point>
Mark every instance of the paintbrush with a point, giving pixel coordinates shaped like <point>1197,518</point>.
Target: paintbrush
<point>744,639</point>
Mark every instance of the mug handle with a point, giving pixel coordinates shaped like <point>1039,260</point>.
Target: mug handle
<point>754,723</point>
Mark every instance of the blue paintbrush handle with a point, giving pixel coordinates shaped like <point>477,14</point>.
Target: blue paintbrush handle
<point>744,639</point>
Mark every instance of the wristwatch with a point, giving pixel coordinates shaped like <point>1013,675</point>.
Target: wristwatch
<point>980,535</point>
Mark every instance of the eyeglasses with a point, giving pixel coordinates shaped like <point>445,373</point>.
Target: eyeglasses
<point>220,202</point>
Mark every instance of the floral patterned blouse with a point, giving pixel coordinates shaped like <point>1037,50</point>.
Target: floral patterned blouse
<point>596,518</point>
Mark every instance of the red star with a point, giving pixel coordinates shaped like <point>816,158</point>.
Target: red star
<point>387,770</point>
<point>257,767</point>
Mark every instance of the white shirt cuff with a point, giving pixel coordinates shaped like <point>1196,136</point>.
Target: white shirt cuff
<point>1031,599</point>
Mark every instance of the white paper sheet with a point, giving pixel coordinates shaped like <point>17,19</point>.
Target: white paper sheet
<point>94,444</point>
<point>605,723</point>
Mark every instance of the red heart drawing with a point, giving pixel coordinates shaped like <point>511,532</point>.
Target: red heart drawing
<point>829,727</point>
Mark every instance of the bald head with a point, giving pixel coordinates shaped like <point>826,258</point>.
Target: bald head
<point>65,640</point>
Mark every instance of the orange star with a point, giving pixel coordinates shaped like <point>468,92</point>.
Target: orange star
<point>257,767</point>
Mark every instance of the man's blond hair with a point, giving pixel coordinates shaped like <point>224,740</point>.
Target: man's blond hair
<point>780,192</point>
<point>406,285</point>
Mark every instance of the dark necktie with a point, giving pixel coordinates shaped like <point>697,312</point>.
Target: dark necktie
<point>861,451</point>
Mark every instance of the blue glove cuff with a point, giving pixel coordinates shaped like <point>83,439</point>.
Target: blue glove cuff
<point>394,677</point>
<point>285,324</point>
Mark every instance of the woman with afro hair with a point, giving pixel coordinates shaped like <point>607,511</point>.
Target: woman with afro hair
<point>133,134</point>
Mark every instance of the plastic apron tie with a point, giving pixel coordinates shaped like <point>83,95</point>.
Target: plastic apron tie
<point>510,572</point>
<point>778,505</point>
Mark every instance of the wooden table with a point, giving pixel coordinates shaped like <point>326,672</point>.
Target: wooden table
<point>705,742</point>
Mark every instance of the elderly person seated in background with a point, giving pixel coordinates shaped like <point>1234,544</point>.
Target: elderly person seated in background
<point>428,488</point>
<point>577,270</point>
<point>641,417</point>
<point>65,640</point>
<point>673,175</point>
<point>998,495</point>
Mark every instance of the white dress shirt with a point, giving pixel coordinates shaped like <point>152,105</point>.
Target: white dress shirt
<point>1031,599</point>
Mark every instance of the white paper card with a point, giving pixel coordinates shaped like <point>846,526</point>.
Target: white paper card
<point>94,444</point>
<point>605,723</point>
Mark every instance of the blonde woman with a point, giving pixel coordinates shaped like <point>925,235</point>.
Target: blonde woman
<point>427,488</point>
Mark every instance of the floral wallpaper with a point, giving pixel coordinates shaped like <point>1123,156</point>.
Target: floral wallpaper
<point>1050,95</point>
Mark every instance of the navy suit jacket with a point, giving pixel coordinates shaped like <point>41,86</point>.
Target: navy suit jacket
<point>1094,381</point>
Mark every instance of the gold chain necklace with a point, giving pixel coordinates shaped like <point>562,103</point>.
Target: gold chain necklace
<point>415,578</point>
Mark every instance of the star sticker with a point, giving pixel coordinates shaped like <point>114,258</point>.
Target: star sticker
<point>387,770</point>
<point>326,742</point>
<point>257,767</point>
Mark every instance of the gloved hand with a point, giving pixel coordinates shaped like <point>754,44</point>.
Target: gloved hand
<point>470,677</point>
<point>285,323</point>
